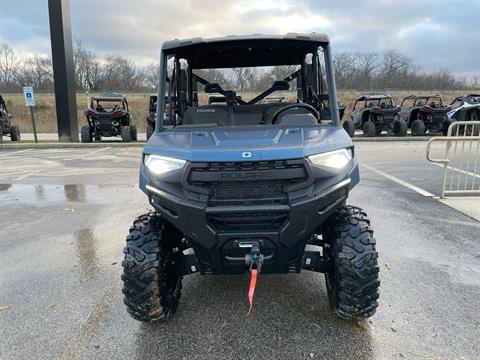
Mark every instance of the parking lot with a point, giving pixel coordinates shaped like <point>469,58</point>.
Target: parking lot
<point>64,217</point>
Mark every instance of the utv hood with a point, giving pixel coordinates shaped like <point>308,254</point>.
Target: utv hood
<point>247,143</point>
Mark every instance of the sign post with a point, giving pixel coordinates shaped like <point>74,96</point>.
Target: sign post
<point>30,102</point>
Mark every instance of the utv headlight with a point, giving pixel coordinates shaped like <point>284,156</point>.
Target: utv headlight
<point>160,164</point>
<point>334,160</point>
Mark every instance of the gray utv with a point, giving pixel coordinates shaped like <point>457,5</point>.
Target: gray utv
<point>243,184</point>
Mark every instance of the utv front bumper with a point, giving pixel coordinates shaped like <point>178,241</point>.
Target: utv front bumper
<point>217,227</point>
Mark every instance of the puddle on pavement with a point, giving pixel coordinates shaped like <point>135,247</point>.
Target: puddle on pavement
<point>34,194</point>
<point>86,251</point>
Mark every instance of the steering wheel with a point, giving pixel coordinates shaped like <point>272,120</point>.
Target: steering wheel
<point>308,107</point>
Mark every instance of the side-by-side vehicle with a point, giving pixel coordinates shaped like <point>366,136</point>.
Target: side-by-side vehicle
<point>243,184</point>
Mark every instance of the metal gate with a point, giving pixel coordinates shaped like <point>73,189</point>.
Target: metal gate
<point>461,163</point>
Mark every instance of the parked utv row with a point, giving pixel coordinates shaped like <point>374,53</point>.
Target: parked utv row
<point>109,116</point>
<point>6,127</point>
<point>374,114</point>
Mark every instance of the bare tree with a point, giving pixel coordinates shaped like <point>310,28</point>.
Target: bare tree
<point>345,68</point>
<point>11,67</point>
<point>151,75</point>
<point>360,71</point>
<point>38,72</point>
<point>120,73</point>
<point>239,78</point>
<point>367,67</point>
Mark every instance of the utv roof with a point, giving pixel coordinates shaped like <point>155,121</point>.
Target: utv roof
<point>422,96</point>
<point>108,98</point>
<point>374,97</point>
<point>245,50</point>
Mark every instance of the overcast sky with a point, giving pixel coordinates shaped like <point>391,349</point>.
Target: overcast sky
<point>435,33</point>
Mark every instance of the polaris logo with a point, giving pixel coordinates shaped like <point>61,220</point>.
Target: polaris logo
<point>205,110</point>
<point>247,175</point>
<point>246,154</point>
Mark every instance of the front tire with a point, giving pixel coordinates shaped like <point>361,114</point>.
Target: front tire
<point>152,275</point>
<point>86,134</point>
<point>14,133</point>
<point>353,284</point>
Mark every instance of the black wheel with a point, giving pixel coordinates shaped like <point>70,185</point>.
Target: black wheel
<point>86,134</point>
<point>133,129</point>
<point>14,133</point>
<point>126,133</point>
<point>349,127</point>
<point>418,128</point>
<point>149,131</point>
<point>353,284</point>
<point>369,128</point>
<point>399,127</point>
<point>152,268</point>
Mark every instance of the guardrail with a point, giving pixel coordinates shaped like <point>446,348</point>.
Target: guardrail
<point>461,163</point>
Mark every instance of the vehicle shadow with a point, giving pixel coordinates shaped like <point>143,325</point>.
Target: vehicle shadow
<point>291,320</point>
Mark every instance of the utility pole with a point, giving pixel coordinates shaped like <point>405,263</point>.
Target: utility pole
<point>63,70</point>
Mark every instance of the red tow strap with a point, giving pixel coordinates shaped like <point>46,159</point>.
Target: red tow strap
<point>251,290</point>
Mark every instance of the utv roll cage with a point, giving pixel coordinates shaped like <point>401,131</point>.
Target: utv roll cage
<point>180,90</point>
<point>372,98</point>
<point>423,100</point>
<point>95,101</point>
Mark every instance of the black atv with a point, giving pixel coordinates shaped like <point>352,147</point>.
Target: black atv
<point>245,185</point>
<point>108,116</point>
<point>426,113</point>
<point>374,114</point>
<point>6,127</point>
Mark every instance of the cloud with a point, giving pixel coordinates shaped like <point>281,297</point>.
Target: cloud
<point>436,34</point>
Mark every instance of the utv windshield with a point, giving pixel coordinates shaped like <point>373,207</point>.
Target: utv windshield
<point>255,83</point>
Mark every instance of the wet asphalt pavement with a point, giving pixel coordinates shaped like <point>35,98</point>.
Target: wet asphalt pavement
<point>64,214</point>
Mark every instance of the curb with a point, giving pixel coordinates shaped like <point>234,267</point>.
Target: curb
<point>70,145</point>
<point>391,139</point>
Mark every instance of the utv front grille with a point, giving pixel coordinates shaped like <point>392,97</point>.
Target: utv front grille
<point>260,182</point>
<point>247,184</point>
<point>252,220</point>
<point>241,190</point>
